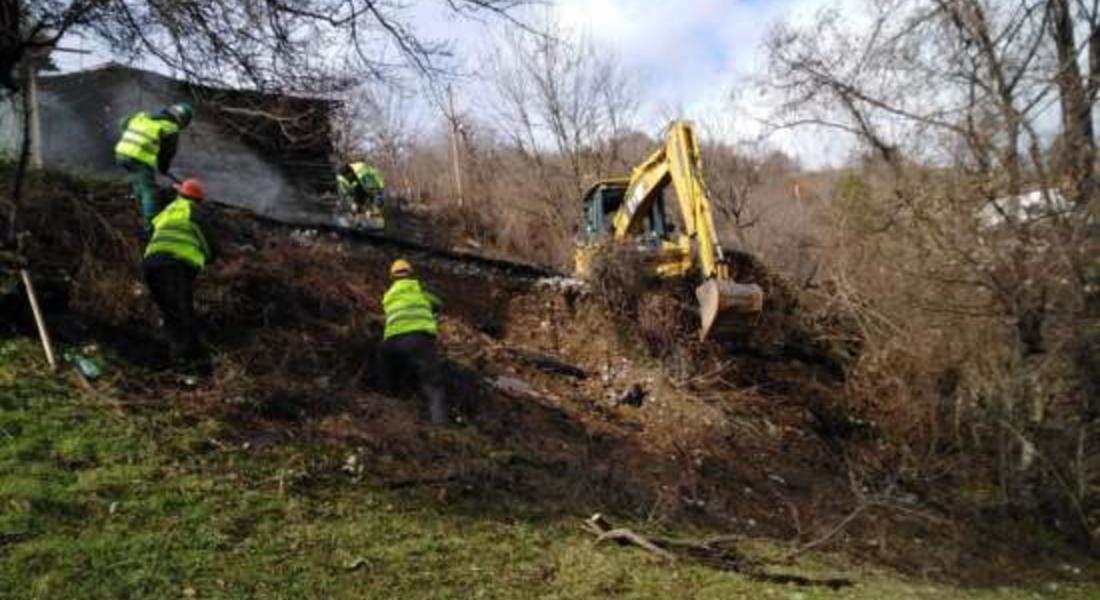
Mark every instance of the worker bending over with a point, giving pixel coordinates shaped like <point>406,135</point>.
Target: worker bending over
<point>408,350</point>
<point>361,189</point>
<point>180,248</point>
<point>148,144</point>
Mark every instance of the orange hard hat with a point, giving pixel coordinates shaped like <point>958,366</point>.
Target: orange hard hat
<point>192,189</point>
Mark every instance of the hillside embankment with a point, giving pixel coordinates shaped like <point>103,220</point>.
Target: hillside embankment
<point>561,404</point>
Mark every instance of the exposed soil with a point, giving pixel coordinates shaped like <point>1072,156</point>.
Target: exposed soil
<point>756,440</point>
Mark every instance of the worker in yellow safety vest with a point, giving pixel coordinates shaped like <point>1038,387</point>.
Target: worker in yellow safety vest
<point>148,145</point>
<point>361,188</point>
<point>180,247</point>
<point>408,353</point>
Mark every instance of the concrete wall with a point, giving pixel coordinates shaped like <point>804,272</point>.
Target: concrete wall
<point>80,113</point>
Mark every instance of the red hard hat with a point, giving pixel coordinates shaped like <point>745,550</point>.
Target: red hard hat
<point>192,189</point>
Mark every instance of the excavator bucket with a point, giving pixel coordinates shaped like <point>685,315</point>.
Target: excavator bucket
<point>723,302</point>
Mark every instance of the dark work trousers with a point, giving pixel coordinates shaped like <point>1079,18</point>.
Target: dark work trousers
<point>171,283</point>
<point>143,184</point>
<point>412,357</point>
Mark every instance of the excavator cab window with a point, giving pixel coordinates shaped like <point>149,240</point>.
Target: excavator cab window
<point>599,209</point>
<point>653,224</point>
<point>656,222</point>
<point>605,200</point>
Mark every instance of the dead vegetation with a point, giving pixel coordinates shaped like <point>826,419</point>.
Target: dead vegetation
<point>964,241</point>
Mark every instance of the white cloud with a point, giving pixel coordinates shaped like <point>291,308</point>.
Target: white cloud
<point>689,56</point>
<point>697,59</point>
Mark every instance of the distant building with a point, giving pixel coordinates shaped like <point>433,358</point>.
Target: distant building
<point>1025,208</point>
<point>264,152</point>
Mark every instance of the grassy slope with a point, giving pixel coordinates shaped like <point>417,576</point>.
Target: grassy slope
<point>93,505</point>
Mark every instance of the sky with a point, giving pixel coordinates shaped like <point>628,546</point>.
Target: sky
<point>691,58</point>
<point>694,59</point>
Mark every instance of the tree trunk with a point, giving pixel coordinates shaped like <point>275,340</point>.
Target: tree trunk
<point>1078,136</point>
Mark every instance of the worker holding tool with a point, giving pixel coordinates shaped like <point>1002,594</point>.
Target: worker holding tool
<point>361,188</point>
<point>148,144</point>
<point>180,248</point>
<point>408,351</point>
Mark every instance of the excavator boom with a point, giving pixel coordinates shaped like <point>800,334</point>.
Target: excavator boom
<point>638,212</point>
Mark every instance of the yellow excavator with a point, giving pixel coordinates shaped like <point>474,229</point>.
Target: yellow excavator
<point>630,212</point>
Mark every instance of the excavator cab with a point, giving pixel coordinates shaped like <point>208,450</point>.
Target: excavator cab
<point>604,200</point>
<point>663,252</point>
<point>600,205</point>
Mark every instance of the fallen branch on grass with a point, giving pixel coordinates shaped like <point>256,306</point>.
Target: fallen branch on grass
<point>398,484</point>
<point>713,552</point>
<point>628,536</point>
<point>789,558</point>
<point>92,393</point>
<point>603,531</point>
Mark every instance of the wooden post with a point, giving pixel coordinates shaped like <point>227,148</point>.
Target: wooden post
<point>455,166</point>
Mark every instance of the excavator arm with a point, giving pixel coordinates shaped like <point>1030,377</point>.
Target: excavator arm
<point>676,162</point>
<point>695,247</point>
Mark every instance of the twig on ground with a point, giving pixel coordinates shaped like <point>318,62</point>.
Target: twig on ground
<point>90,391</point>
<point>420,481</point>
<point>599,526</point>
<point>708,552</point>
<point>789,558</point>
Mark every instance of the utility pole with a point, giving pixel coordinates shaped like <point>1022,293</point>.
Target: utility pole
<point>32,150</point>
<point>35,122</point>
<point>39,58</point>
<point>452,119</point>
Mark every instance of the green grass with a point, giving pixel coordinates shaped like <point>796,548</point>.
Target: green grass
<point>96,506</point>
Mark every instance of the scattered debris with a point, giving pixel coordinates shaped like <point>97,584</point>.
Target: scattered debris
<point>352,466</point>
<point>599,526</point>
<point>562,284</point>
<point>513,387</point>
<point>304,236</point>
<point>355,563</point>
<point>85,365</point>
<point>633,396</point>
<point>717,552</point>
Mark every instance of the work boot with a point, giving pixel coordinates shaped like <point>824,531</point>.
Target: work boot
<point>200,365</point>
<point>437,411</point>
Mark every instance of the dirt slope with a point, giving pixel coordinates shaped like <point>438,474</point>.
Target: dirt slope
<point>744,446</point>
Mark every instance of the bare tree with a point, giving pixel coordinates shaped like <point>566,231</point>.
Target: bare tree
<point>563,105</point>
<point>378,122</point>
<point>310,47</point>
<point>303,45</point>
<point>955,101</point>
<point>565,110</point>
<point>760,206</point>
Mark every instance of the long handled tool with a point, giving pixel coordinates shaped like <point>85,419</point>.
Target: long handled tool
<point>208,201</point>
<point>13,256</point>
<point>39,322</point>
<point>17,260</point>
